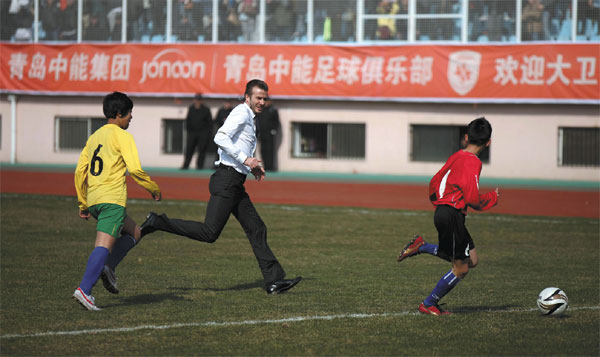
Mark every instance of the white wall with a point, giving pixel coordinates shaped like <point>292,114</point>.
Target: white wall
<point>4,129</point>
<point>524,140</point>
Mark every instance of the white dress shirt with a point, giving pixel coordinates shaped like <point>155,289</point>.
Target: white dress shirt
<point>236,138</point>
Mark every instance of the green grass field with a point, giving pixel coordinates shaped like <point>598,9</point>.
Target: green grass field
<point>182,297</point>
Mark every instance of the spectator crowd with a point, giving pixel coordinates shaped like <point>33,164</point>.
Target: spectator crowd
<point>286,20</point>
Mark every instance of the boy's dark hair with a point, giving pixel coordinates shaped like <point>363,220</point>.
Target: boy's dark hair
<point>255,83</point>
<point>116,103</point>
<point>479,131</point>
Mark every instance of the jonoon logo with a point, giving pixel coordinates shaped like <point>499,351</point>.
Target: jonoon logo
<point>463,70</point>
<point>161,68</point>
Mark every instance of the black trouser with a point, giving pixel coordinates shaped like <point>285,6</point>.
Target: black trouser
<point>228,195</point>
<point>196,139</point>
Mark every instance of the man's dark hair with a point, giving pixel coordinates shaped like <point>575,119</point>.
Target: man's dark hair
<point>116,103</point>
<point>255,83</point>
<point>479,131</point>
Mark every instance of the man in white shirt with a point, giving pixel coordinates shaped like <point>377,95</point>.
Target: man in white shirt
<point>237,144</point>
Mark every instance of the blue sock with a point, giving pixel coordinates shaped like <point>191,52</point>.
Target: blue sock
<point>93,269</point>
<point>428,248</point>
<point>443,287</point>
<point>122,246</point>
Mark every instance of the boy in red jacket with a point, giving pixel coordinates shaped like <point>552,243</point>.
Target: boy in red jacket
<point>452,190</point>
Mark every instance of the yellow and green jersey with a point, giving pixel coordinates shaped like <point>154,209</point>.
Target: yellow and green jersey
<point>100,172</point>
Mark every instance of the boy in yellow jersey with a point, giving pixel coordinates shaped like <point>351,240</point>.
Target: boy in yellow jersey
<point>102,191</point>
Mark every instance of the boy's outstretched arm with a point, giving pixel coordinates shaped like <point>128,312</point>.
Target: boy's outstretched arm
<point>487,201</point>
<point>132,161</point>
<point>81,173</point>
<point>472,197</point>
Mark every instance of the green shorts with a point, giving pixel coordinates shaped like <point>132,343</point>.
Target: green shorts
<point>110,218</point>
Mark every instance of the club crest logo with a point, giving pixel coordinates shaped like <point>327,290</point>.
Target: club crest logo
<point>463,70</point>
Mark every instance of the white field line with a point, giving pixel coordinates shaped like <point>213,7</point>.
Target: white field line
<point>251,322</point>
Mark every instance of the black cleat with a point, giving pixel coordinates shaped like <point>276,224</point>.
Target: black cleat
<point>282,285</point>
<point>148,226</point>
<point>109,280</point>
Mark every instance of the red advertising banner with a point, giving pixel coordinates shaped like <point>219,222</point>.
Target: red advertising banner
<point>544,73</point>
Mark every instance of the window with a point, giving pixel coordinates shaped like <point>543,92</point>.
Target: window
<point>72,133</point>
<point>174,136</point>
<point>286,20</point>
<point>438,21</point>
<point>385,21</point>
<point>301,21</point>
<point>579,147</point>
<point>333,20</point>
<point>328,140</point>
<point>436,143</point>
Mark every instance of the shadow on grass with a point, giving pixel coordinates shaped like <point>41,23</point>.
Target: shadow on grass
<point>239,287</point>
<point>146,299</point>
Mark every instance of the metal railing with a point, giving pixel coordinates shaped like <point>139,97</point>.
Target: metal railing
<point>299,21</point>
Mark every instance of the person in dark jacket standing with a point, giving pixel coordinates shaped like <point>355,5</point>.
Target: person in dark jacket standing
<point>268,124</point>
<point>198,125</point>
<point>222,114</point>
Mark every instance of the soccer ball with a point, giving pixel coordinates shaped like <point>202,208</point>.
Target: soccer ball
<point>552,301</point>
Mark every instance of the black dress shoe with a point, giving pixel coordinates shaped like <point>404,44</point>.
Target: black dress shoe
<point>148,226</point>
<point>282,285</point>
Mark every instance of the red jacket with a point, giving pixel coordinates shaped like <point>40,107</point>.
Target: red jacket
<point>457,184</point>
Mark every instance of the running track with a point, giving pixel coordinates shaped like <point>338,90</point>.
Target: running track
<point>517,201</point>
